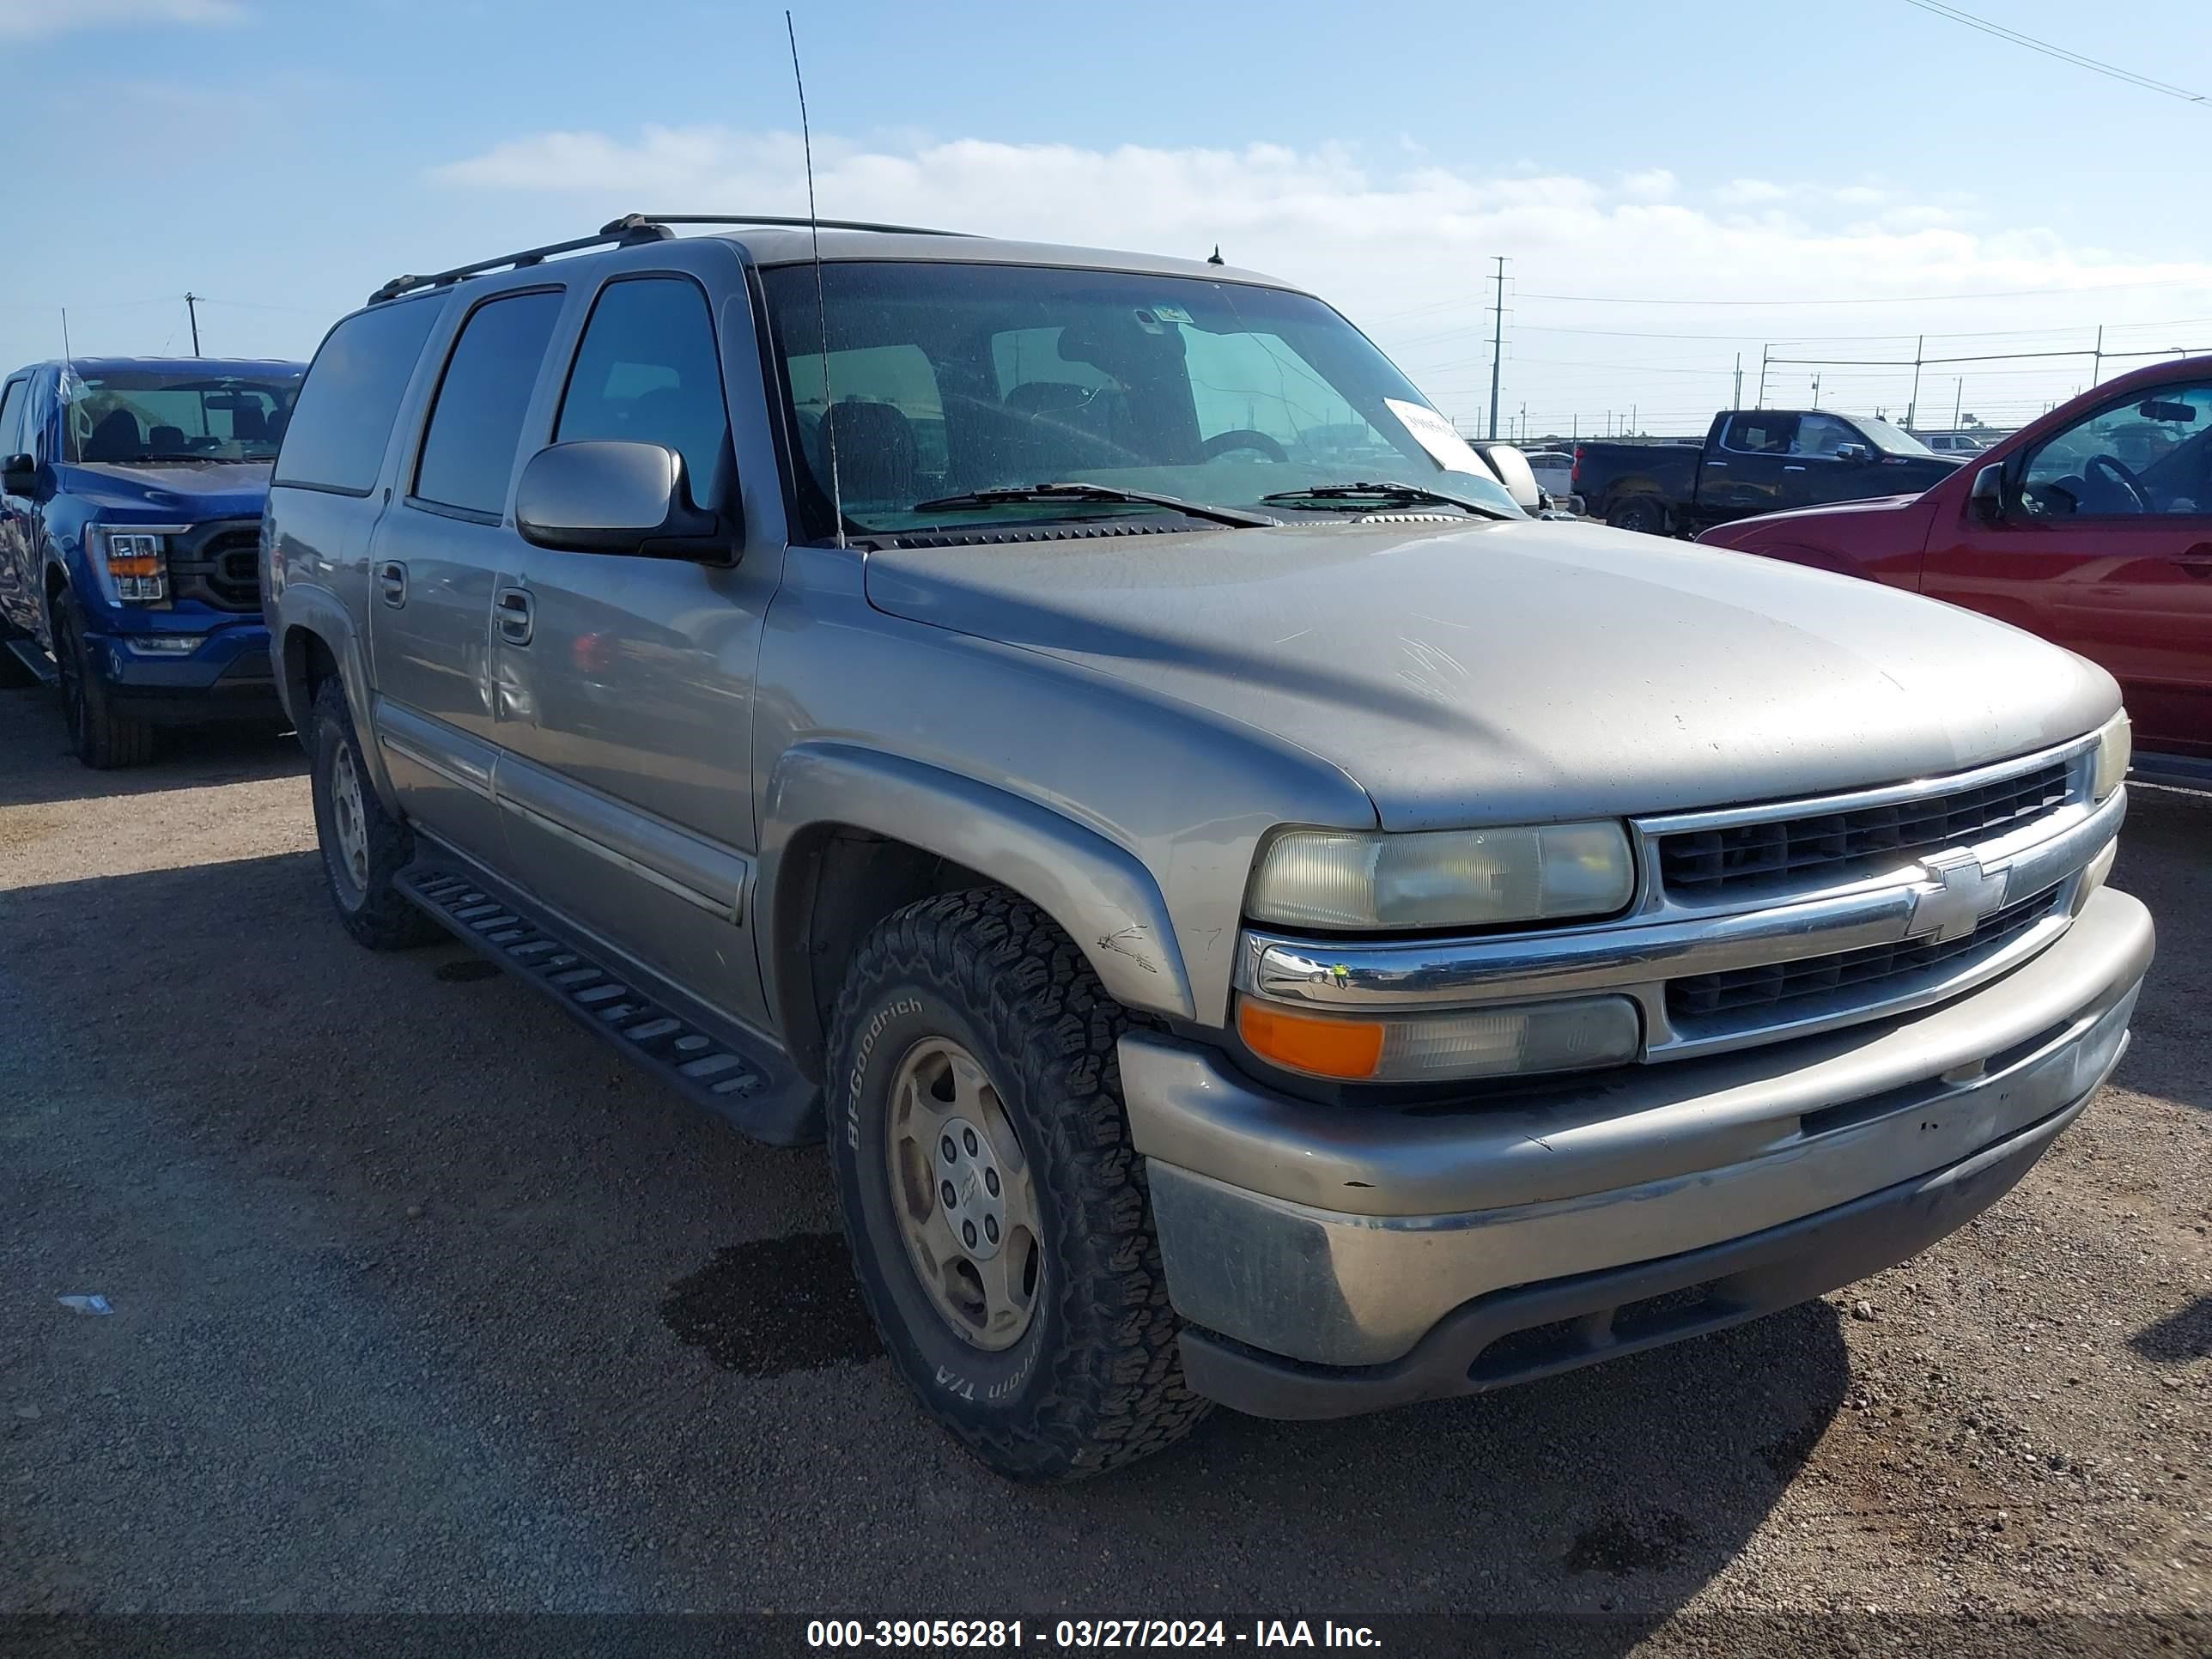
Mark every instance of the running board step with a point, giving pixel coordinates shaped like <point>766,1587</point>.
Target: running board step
<point>27,653</point>
<point>700,1058</point>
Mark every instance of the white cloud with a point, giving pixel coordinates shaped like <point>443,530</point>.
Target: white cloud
<point>1403,243</point>
<point>23,20</point>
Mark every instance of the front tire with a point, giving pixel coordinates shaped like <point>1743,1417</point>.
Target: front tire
<point>364,847</point>
<point>98,736</point>
<point>973,1052</point>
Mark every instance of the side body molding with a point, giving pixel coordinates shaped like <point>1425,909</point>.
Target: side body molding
<point>1102,894</point>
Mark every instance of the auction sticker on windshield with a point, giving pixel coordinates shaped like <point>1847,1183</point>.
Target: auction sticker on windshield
<point>1434,434</point>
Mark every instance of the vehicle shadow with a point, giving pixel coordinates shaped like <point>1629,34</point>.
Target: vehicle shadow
<point>408,1153</point>
<point>2165,861</point>
<point>2179,1337</point>
<point>40,771</point>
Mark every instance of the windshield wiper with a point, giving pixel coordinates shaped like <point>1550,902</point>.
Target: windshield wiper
<point>1090,492</point>
<point>1355,497</point>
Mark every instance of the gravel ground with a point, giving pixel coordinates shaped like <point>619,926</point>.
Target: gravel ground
<point>423,1303</point>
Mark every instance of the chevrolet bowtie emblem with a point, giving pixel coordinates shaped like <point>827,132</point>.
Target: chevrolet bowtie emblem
<point>1958,893</point>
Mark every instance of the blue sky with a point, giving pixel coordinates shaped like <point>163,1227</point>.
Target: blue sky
<point>1837,175</point>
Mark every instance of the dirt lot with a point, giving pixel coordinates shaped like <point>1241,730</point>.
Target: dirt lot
<point>423,1303</point>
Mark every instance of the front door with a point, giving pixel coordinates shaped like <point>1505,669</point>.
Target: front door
<point>19,576</point>
<point>438,558</point>
<point>2105,548</point>
<point>628,786</point>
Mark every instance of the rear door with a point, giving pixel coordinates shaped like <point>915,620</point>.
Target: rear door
<point>628,783</point>
<point>439,556</point>
<point>2105,548</point>
<point>1742,474</point>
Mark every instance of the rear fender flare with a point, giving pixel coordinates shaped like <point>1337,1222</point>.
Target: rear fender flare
<point>311,611</point>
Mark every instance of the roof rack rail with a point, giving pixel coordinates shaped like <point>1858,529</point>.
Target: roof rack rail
<point>636,221</point>
<point>624,233</point>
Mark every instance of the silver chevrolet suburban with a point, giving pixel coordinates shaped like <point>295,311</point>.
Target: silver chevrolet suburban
<point>1257,917</point>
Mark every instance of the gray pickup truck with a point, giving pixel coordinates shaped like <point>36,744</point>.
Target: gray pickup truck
<point>1255,917</point>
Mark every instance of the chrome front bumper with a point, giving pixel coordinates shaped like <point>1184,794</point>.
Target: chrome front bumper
<point>1340,1236</point>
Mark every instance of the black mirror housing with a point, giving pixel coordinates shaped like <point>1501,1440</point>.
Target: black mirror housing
<point>1987,502</point>
<point>18,475</point>
<point>608,495</point>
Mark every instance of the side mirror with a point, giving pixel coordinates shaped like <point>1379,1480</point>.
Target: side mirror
<point>18,475</point>
<point>1987,502</point>
<point>603,496</point>
<point>1853,453</point>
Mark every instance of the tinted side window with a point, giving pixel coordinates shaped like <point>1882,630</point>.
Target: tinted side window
<point>468,454</point>
<point>339,424</point>
<point>1761,433</point>
<point>647,371</point>
<point>11,416</point>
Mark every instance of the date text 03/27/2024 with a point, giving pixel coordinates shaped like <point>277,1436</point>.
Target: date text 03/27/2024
<point>1082,1633</point>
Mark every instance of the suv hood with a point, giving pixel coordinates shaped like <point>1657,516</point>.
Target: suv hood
<point>1524,670</point>
<point>193,489</point>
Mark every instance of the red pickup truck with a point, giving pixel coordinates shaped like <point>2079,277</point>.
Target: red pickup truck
<point>2092,527</point>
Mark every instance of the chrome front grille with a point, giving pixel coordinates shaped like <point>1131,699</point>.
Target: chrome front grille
<point>1756,924</point>
<point>1702,865</point>
<point>1874,972</point>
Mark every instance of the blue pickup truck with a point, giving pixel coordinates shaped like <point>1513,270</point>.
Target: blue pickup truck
<point>131,499</point>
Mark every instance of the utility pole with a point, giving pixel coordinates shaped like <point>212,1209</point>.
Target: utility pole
<point>1764,351</point>
<point>1631,420</point>
<point>1958,402</point>
<point>1496,344</point>
<point>1816,392</point>
<point>2097,358</point>
<point>1738,404</point>
<point>1524,423</point>
<point>192,306</point>
<point>1913,404</point>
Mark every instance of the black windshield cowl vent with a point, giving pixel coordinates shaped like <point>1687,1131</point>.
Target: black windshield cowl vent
<point>983,535</point>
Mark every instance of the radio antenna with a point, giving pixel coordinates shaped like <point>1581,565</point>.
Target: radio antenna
<point>821,306</point>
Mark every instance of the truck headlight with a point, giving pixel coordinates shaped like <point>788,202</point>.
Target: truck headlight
<point>1364,881</point>
<point>131,562</point>
<point>2115,751</point>
<point>1433,1048</point>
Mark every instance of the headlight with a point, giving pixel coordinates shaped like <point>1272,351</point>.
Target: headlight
<point>130,561</point>
<point>1441,879</point>
<point>1542,1036</point>
<point>2115,750</point>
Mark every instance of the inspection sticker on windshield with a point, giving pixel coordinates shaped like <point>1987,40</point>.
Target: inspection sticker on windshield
<point>1434,434</point>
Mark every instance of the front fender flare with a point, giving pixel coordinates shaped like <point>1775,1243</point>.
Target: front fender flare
<point>1101,894</point>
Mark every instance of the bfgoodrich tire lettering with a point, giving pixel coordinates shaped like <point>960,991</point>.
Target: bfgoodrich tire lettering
<point>1094,1380</point>
<point>364,847</point>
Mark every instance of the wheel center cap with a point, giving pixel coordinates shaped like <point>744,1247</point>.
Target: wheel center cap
<point>970,1191</point>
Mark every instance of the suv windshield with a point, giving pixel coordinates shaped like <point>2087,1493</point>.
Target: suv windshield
<point>947,380</point>
<point>152,415</point>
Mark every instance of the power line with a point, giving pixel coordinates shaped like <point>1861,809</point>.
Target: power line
<point>1952,14</point>
<point>1882,300</point>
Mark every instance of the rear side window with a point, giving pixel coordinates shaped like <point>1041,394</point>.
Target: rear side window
<point>647,371</point>
<point>338,428</point>
<point>468,452</point>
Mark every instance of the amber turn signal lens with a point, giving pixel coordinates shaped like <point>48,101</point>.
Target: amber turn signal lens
<point>1325,1047</point>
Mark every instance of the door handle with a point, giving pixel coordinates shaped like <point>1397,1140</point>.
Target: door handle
<point>392,582</point>
<point>1788,467</point>
<point>512,607</point>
